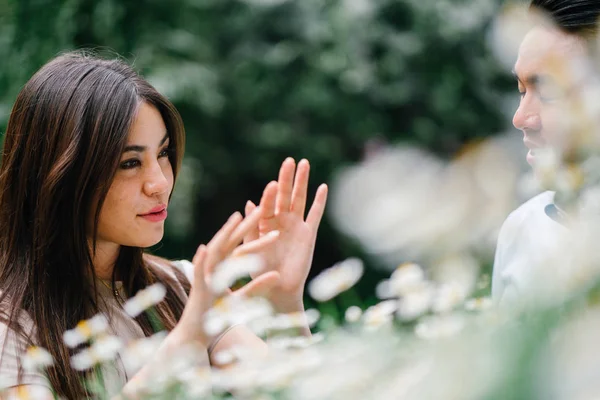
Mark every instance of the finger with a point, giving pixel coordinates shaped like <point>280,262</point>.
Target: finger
<point>256,246</point>
<point>233,221</point>
<point>253,234</point>
<point>267,204</point>
<point>248,224</point>
<point>285,183</point>
<point>318,207</point>
<point>217,249</point>
<point>300,189</point>
<point>260,286</point>
<point>198,262</point>
<point>268,199</point>
<point>221,249</point>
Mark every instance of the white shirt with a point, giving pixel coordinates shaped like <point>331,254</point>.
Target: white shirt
<point>531,245</point>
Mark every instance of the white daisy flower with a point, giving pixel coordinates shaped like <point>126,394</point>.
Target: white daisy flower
<point>353,314</point>
<point>336,279</point>
<point>295,320</point>
<point>28,392</point>
<point>224,357</point>
<point>479,304</point>
<point>439,326</point>
<point>383,290</point>
<point>415,302</point>
<point>104,349</point>
<point>285,342</point>
<point>85,330</point>
<point>197,382</point>
<point>234,268</point>
<point>379,314</point>
<point>145,299</point>
<point>140,351</point>
<point>405,278</point>
<point>448,296</point>
<point>232,310</point>
<point>36,358</point>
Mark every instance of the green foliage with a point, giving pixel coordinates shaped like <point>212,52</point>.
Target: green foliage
<point>259,80</point>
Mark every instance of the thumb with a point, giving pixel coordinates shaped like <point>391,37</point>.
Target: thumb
<point>261,286</point>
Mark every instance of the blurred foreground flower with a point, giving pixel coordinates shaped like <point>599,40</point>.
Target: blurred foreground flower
<point>36,358</point>
<point>145,299</point>
<point>479,304</point>
<point>231,310</point>
<point>404,203</point>
<point>380,314</point>
<point>404,279</point>
<point>262,325</point>
<point>103,349</point>
<point>439,326</point>
<point>336,279</point>
<point>140,351</point>
<point>415,302</point>
<point>352,314</point>
<point>28,392</point>
<point>85,330</point>
<point>234,268</point>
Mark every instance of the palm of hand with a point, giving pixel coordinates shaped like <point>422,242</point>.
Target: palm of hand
<point>291,255</point>
<point>283,204</point>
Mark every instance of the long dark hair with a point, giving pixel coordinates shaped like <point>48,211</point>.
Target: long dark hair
<point>65,136</point>
<point>579,17</point>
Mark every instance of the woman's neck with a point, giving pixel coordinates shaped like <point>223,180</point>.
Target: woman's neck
<point>104,259</point>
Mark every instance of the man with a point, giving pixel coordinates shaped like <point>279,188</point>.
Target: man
<point>555,75</point>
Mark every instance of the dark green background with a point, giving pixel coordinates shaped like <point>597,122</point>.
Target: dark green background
<point>257,81</point>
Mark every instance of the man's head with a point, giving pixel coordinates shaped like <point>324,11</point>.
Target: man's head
<point>553,69</point>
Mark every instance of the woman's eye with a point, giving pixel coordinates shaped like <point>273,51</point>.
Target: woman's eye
<point>165,153</point>
<point>129,164</point>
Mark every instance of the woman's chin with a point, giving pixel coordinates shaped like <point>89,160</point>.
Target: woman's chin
<point>146,241</point>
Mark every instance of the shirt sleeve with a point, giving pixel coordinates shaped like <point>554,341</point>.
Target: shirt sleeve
<point>504,253</point>
<point>186,267</point>
<point>13,347</point>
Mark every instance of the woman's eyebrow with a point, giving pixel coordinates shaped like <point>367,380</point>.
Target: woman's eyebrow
<point>140,149</point>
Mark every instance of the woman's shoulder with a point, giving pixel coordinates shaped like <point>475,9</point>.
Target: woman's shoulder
<point>175,272</point>
<point>15,339</point>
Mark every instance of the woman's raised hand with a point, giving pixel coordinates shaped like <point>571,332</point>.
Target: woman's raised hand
<point>282,209</point>
<point>224,244</point>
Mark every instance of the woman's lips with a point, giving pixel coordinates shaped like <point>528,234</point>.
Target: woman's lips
<point>157,214</point>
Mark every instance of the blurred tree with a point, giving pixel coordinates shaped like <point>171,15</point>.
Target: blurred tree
<point>259,80</point>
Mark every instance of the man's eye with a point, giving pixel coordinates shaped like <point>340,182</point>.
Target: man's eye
<point>548,96</point>
<point>129,164</point>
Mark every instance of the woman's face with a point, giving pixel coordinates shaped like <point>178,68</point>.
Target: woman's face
<point>135,208</point>
<point>552,69</point>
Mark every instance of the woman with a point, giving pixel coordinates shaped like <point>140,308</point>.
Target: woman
<point>555,71</point>
<point>90,157</point>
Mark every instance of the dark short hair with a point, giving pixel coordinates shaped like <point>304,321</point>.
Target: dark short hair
<point>579,17</point>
